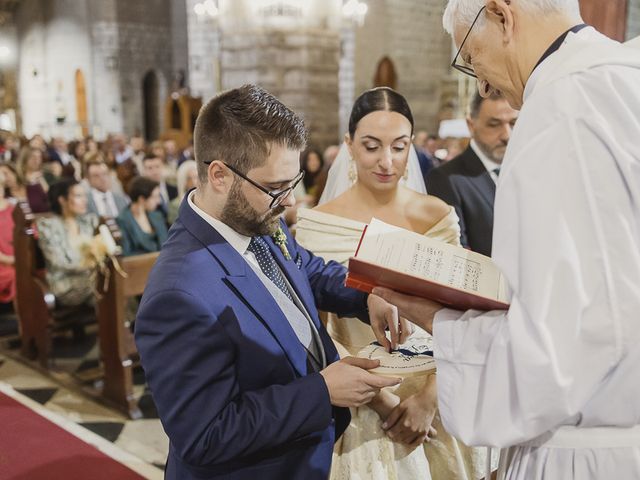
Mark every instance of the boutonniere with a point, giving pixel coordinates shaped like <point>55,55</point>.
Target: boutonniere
<point>281,241</point>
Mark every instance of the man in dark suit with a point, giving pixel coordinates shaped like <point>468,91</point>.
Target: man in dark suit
<point>154,168</point>
<point>102,200</point>
<point>468,182</point>
<point>58,152</point>
<point>246,380</point>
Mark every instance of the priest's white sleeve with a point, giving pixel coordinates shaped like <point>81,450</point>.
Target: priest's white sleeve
<point>563,244</point>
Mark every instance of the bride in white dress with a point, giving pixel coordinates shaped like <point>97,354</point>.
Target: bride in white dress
<point>377,175</point>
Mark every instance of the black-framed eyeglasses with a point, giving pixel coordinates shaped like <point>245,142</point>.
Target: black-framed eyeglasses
<point>277,196</point>
<point>466,69</point>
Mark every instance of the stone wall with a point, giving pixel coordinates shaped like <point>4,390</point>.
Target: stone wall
<point>144,40</point>
<point>9,71</point>
<point>410,33</point>
<point>633,23</point>
<point>114,43</point>
<point>204,54</point>
<point>107,101</point>
<point>54,43</point>
<point>299,67</point>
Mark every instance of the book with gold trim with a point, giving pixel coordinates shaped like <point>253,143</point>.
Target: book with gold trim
<point>410,263</point>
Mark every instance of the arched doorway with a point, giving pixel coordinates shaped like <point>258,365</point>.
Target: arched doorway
<point>385,74</point>
<point>150,99</point>
<point>81,103</point>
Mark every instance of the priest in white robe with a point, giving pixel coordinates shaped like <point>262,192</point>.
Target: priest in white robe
<point>555,380</point>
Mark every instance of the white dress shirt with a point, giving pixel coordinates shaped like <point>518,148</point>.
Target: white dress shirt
<point>164,193</point>
<point>304,328</point>
<point>489,164</point>
<point>105,203</point>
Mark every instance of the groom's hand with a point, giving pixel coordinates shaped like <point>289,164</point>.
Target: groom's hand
<point>418,310</point>
<point>384,316</point>
<point>349,383</point>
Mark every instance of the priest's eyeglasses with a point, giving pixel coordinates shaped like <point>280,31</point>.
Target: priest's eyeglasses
<point>464,67</point>
<point>277,196</point>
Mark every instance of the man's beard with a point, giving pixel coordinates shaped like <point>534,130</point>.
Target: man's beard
<point>246,220</point>
<point>491,152</point>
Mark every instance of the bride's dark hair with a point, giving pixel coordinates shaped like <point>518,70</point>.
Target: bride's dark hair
<point>376,100</point>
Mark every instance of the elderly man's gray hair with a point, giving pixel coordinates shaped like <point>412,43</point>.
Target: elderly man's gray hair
<point>462,12</point>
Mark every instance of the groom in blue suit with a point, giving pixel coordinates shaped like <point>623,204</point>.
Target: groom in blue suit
<point>246,380</point>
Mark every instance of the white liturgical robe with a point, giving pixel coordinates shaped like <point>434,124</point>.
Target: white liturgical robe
<point>557,376</point>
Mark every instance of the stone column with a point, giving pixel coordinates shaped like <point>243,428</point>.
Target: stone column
<point>290,48</point>
<point>633,20</point>
<point>204,54</point>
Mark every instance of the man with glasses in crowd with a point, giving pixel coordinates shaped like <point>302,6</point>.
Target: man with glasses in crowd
<point>246,380</point>
<point>554,378</point>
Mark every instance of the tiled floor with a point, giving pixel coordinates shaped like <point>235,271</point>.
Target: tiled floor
<point>71,390</point>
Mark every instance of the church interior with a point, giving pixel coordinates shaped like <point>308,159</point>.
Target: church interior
<point>89,83</point>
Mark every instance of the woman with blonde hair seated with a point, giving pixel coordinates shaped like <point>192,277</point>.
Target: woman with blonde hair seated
<point>36,181</point>
<point>186,179</point>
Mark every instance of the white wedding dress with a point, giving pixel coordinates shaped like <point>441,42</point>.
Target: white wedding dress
<point>364,452</point>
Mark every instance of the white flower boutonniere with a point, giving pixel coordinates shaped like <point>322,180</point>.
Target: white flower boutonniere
<point>281,240</point>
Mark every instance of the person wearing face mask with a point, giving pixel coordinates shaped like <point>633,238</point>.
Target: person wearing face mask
<point>246,380</point>
<point>377,175</point>
<point>468,182</point>
<point>61,237</point>
<point>553,380</point>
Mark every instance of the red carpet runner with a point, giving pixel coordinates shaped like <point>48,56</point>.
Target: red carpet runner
<point>34,448</point>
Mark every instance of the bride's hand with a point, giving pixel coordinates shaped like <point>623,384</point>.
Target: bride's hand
<point>410,422</point>
<point>384,403</point>
<point>383,316</point>
<point>417,310</point>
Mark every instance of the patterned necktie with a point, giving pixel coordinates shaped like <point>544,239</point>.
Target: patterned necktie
<point>268,264</point>
<point>301,326</point>
<point>107,206</point>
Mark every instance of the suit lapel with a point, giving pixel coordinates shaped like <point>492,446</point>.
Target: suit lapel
<point>297,279</point>
<point>479,178</point>
<point>248,287</point>
<point>263,305</point>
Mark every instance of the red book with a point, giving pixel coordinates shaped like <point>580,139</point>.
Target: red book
<point>413,264</point>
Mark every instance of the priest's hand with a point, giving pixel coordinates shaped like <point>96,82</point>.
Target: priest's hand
<point>410,422</point>
<point>349,383</point>
<point>383,316</point>
<point>418,310</point>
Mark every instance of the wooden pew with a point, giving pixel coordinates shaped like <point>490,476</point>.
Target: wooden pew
<point>117,348</point>
<point>37,312</point>
<point>32,293</point>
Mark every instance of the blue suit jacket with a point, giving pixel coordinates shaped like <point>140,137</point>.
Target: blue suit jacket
<point>226,370</point>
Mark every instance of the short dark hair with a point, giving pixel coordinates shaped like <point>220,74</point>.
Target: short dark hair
<point>141,187</point>
<point>151,156</point>
<point>93,162</point>
<point>61,188</point>
<point>376,100</point>
<point>237,127</point>
<point>477,100</point>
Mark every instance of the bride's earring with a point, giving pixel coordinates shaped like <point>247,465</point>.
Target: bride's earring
<point>405,175</point>
<point>353,173</point>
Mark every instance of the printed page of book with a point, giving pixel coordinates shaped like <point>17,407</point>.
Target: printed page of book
<point>414,254</point>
